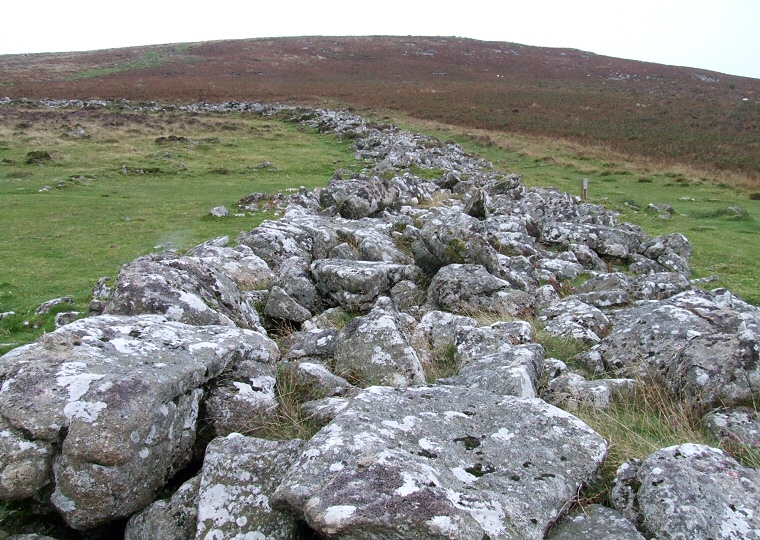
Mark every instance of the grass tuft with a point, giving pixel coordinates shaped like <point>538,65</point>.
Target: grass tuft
<point>649,419</point>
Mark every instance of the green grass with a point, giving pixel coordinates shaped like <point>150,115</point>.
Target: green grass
<point>644,422</point>
<point>70,222</point>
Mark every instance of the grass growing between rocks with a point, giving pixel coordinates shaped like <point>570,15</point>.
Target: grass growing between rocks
<point>649,419</point>
<point>120,183</point>
<point>287,422</point>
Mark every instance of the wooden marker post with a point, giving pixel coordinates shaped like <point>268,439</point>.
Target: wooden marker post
<point>584,189</point>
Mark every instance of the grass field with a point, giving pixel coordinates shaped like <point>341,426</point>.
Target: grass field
<point>88,210</point>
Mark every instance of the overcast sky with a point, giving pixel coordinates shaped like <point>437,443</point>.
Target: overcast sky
<point>716,35</point>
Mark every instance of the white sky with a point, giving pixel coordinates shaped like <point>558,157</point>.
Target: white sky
<point>717,35</point>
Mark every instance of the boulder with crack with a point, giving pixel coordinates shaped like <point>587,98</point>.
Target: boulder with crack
<point>468,289</point>
<point>441,462</point>
<point>356,285</point>
<point>184,289</point>
<point>594,522</point>
<point>107,407</point>
<point>240,264</point>
<point>704,345</point>
<point>689,491</point>
<point>238,478</point>
<point>172,519</point>
<point>376,348</point>
<point>512,372</point>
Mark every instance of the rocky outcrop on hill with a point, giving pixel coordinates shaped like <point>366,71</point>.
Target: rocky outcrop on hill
<point>412,340</point>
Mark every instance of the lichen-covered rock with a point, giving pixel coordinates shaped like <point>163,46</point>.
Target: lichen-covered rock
<point>314,345</point>
<point>474,343</point>
<point>704,345</point>
<point>236,403</point>
<point>118,400</point>
<point>184,289</point>
<point>358,197</point>
<point>322,411</point>
<point>572,391</point>
<point>24,464</point>
<point>594,522</point>
<point>355,285</point>
<point>238,478</point>
<point>613,242</point>
<point>314,381</point>
<point>172,519</point>
<point>280,305</point>
<point>469,289</point>
<point>572,318</point>
<point>689,492</point>
<point>437,330</point>
<point>513,372</point>
<point>671,251</point>
<point>658,286</point>
<point>738,428</point>
<point>240,264</point>
<point>440,462</point>
<point>376,348</point>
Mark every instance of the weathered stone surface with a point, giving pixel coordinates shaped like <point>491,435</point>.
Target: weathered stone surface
<point>184,289</point>
<point>24,464</point>
<point>355,285</point>
<point>66,317</point>
<point>313,345</point>
<point>438,329</point>
<point>572,391</point>
<point>704,345</point>
<point>281,306</point>
<point>572,318</point>
<point>658,286</point>
<point>314,381</point>
<point>172,519</point>
<point>235,404</point>
<point>512,372</point>
<point>671,251</point>
<point>739,427</point>
<point>689,492</point>
<point>440,462</point>
<point>118,397</point>
<point>240,264</point>
<point>473,343</point>
<point>219,211</point>
<point>605,241</point>
<point>238,478</point>
<point>358,197</point>
<point>594,522</point>
<point>470,288</point>
<point>450,236</point>
<point>376,348</point>
<point>45,307</point>
<point>322,411</point>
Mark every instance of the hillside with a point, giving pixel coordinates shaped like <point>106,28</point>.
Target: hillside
<point>665,114</point>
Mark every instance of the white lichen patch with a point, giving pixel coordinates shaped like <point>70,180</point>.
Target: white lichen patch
<point>503,435</point>
<point>410,484</point>
<point>406,425</point>
<point>336,517</point>
<point>463,476</point>
<point>76,383</point>
<point>441,525</point>
<point>83,410</point>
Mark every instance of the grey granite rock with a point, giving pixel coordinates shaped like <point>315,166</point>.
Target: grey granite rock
<point>689,492</point>
<point>238,478</point>
<point>440,462</point>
